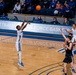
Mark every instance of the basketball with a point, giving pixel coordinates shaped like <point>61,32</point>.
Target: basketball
<point>38,7</point>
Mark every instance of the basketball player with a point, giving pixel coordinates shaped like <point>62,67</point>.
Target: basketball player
<point>19,40</point>
<point>68,46</point>
<point>73,30</point>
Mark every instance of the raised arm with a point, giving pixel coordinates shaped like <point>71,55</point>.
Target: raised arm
<point>63,34</point>
<point>68,31</point>
<point>25,25</point>
<point>70,46</point>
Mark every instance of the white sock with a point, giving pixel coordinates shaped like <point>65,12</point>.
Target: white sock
<point>19,56</point>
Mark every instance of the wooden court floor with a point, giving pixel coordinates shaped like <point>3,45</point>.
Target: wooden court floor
<point>40,57</point>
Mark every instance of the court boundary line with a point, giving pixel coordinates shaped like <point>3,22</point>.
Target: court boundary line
<point>6,38</point>
<point>43,68</point>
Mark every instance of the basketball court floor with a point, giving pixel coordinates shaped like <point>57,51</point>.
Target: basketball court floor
<point>40,57</point>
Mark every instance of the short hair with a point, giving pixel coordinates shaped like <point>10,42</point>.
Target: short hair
<point>70,37</point>
<point>17,26</point>
<point>70,34</point>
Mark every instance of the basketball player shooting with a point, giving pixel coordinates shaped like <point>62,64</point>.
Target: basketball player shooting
<point>19,41</point>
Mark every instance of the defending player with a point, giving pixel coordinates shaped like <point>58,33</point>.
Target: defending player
<point>19,40</point>
<point>68,46</point>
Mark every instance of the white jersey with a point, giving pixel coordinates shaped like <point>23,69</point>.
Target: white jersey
<point>74,35</point>
<point>74,32</point>
<point>19,35</point>
<point>19,40</point>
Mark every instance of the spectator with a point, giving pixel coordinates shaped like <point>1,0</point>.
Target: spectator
<point>9,4</point>
<point>53,4</point>
<point>68,13</point>
<point>66,21</point>
<point>41,3</point>
<point>24,8</point>
<point>72,5</point>
<point>17,7</point>
<point>2,5</point>
<point>61,11</point>
<point>22,2</point>
<point>55,21</point>
<point>34,20</point>
<point>30,9</point>
<point>46,3</point>
<point>28,1</point>
<point>42,11</point>
<point>4,16</point>
<point>58,5</point>
<point>38,20</point>
<point>49,11</point>
<point>65,3</point>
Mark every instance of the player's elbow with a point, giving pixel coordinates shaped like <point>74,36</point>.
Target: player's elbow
<point>70,48</point>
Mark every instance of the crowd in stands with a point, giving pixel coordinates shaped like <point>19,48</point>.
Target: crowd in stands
<point>38,20</point>
<point>54,21</point>
<point>2,5</point>
<point>64,8</point>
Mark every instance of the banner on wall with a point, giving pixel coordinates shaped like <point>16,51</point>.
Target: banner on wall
<point>34,27</point>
